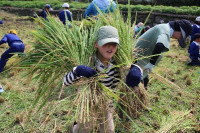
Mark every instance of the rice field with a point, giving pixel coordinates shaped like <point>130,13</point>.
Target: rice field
<point>174,109</point>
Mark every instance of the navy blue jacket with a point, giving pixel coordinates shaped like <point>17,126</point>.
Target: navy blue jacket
<point>11,39</point>
<point>44,14</point>
<point>195,29</point>
<point>62,16</point>
<point>194,51</point>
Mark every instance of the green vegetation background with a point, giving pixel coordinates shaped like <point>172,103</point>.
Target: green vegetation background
<point>56,5</point>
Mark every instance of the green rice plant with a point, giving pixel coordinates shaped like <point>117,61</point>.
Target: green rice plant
<point>58,48</point>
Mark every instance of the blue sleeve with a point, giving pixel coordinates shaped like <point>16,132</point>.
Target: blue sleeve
<point>44,15</point>
<point>60,16</point>
<point>1,22</point>
<point>3,40</point>
<point>196,51</point>
<point>89,10</point>
<point>190,50</point>
<point>113,6</point>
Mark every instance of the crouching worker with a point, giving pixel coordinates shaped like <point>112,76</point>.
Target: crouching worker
<point>15,44</point>
<point>156,41</point>
<point>194,51</point>
<point>107,44</point>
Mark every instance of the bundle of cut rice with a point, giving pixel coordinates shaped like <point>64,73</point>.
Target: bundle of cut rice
<point>58,48</point>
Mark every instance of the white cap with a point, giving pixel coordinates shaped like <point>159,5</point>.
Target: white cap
<point>65,5</point>
<point>198,18</point>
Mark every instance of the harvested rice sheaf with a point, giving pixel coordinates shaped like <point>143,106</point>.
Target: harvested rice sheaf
<point>58,48</point>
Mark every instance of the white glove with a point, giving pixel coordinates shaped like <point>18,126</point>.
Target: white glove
<point>198,58</point>
<point>148,68</point>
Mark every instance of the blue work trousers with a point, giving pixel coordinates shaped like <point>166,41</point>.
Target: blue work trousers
<point>195,63</point>
<point>9,53</point>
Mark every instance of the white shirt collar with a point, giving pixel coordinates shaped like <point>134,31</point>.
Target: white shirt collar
<point>100,66</point>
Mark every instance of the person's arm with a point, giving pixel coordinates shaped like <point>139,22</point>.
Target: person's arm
<point>157,50</point>
<point>3,40</point>
<point>194,28</point>
<point>44,14</point>
<point>134,76</point>
<point>77,73</point>
<point>70,78</point>
<point>196,51</point>
<point>59,16</point>
<point>113,6</point>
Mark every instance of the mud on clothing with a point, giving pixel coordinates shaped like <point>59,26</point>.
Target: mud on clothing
<point>15,44</point>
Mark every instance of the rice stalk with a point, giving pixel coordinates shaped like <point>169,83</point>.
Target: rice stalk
<point>58,49</point>
<point>179,121</point>
<point>164,80</point>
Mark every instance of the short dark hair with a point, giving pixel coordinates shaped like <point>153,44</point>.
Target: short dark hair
<point>196,36</point>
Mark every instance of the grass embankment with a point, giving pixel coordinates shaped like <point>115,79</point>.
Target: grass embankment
<point>174,110</point>
<point>57,5</point>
